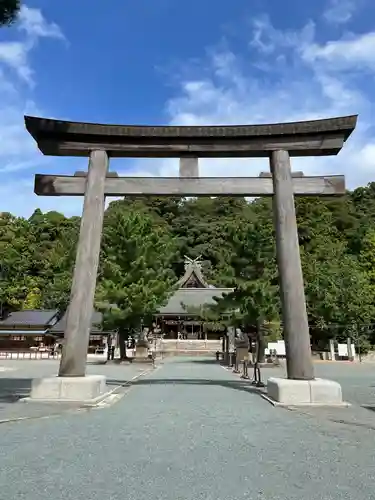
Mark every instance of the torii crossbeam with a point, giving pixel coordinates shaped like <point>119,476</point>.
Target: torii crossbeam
<point>64,185</point>
<point>278,142</point>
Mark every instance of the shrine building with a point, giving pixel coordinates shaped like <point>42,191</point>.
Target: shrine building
<point>180,318</point>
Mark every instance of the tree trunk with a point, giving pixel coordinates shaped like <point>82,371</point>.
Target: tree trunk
<point>261,344</point>
<point>123,337</point>
<point>109,347</point>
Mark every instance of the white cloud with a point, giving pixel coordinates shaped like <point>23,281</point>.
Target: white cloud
<point>268,39</point>
<point>340,11</point>
<point>280,83</point>
<point>15,55</point>
<point>33,23</point>
<point>17,148</point>
<point>356,52</point>
<point>287,75</point>
<point>366,158</point>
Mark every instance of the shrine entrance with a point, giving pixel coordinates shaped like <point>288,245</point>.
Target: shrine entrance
<point>278,142</point>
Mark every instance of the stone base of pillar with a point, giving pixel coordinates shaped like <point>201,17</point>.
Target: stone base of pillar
<point>317,392</point>
<point>89,389</point>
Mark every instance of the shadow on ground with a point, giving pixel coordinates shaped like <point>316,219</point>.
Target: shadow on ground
<point>203,361</point>
<point>238,385</point>
<point>369,407</point>
<point>13,389</point>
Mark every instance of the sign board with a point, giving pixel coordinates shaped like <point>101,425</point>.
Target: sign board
<point>343,350</point>
<point>278,346</point>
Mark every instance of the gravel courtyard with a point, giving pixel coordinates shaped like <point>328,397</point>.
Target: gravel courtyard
<point>189,430</point>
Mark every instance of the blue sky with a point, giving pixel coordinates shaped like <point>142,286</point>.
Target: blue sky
<point>173,62</point>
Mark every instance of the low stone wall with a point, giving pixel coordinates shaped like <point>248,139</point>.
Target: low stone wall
<point>165,347</point>
<point>38,355</point>
<point>169,353</point>
<point>169,347</point>
<point>28,355</point>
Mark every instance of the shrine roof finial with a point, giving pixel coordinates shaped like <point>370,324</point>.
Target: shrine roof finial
<point>189,261</point>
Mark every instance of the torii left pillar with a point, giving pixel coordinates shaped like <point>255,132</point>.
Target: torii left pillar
<point>72,384</point>
<point>78,325</point>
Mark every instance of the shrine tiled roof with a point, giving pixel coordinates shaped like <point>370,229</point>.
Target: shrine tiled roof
<point>193,293</point>
<point>96,322</point>
<point>33,317</point>
<point>185,299</point>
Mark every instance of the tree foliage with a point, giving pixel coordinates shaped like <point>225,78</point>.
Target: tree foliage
<point>37,257</point>
<point>146,238</point>
<point>8,11</point>
<point>136,267</point>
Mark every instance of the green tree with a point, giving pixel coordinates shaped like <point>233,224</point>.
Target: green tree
<point>53,240</point>
<point>36,254</point>
<point>255,300</point>
<point>200,229</point>
<point>15,278</point>
<point>367,257</point>
<point>145,240</point>
<point>367,262</point>
<point>9,10</point>
<point>135,275</point>
<point>33,297</point>
<point>337,289</point>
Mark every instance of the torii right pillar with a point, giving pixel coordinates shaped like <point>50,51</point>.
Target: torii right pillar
<point>296,327</point>
<point>300,387</point>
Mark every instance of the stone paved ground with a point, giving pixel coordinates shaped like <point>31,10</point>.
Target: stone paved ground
<point>189,430</point>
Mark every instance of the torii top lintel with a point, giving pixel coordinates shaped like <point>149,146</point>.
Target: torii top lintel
<point>306,138</point>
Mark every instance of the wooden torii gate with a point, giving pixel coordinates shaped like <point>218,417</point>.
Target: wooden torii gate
<point>277,142</point>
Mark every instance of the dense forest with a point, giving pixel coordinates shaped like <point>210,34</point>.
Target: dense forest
<point>143,248</point>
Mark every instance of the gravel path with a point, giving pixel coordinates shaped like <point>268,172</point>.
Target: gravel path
<point>190,430</point>
<point>357,379</point>
<point>15,384</point>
